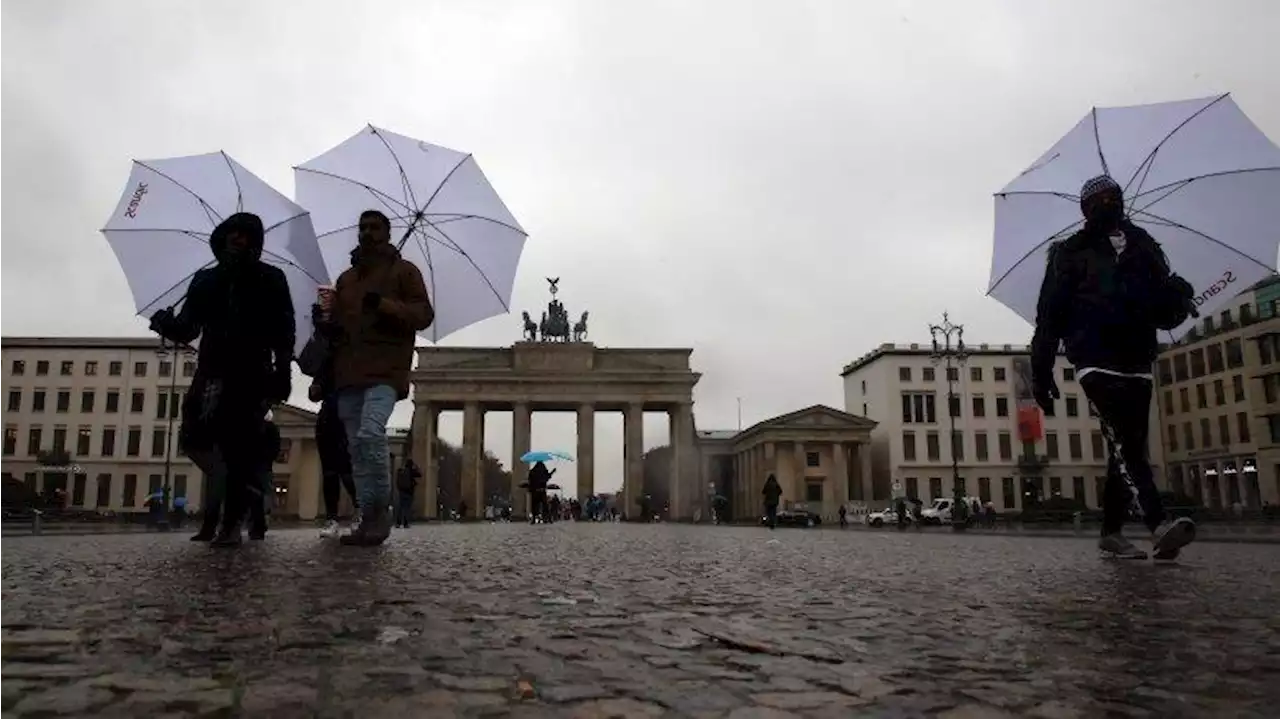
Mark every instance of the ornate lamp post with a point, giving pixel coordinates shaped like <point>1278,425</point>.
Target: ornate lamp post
<point>175,354</point>
<point>949,351</point>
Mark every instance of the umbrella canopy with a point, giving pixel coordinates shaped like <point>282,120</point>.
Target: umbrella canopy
<point>160,230</point>
<point>538,456</point>
<point>1197,174</point>
<point>445,217</point>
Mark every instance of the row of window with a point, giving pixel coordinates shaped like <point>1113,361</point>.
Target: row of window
<point>166,402</point>
<point>1197,363</point>
<point>115,368</point>
<point>107,445</point>
<point>1202,395</point>
<point>1004,446</point>
<point>128,490</point>
<point>921,407</point>
<point>1033,489</point>
<point>1188,436</point>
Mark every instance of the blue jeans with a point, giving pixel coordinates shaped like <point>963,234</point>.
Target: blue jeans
<point>364,413</point>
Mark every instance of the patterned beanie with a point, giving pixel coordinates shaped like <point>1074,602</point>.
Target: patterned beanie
<point>1098,185</point>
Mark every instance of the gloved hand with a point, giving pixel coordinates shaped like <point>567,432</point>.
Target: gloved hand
<point>313,393</point>
<point>162,320</point>
<point>1044,389</point>
<point>281,385</point>
<point>1184,292</point>
<point>372,300</point>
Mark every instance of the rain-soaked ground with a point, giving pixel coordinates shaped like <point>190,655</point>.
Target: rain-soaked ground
<point>596,620</point>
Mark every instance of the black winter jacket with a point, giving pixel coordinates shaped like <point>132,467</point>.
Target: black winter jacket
<point>1106,309</point>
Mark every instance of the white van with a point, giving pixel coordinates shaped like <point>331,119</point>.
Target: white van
<point>940,511</point>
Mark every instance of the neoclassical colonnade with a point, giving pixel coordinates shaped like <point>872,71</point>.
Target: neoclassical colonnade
<point>575,377</point>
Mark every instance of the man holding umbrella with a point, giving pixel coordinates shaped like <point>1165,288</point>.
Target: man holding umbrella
<point>378,306</point>
<point>1108,288</point>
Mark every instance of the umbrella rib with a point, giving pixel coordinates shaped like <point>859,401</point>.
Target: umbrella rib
<point>1179,184</point>
<point>354,225</point>
<point>405,186</point>
<point>1097,140</point>
<point>1149,161</point>
<point>454,216</point>
<point>425,247</point>
<point>443,182</point>
<point>1031,252</point>
<point>236,178</point>
<point>472,262</point>
<point>213,216</point>
<point>378,194</point>
<point>174,286</point>
<point>1214,240</point>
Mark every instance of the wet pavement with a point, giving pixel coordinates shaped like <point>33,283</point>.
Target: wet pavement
<point>635,621</point>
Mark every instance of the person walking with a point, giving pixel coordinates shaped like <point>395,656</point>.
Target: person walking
<point>1106,291</point>
<point>772,493</point>
<point>316,360</point>
<point>379,304</point>
<point>539,478</point>
<point>406,483</point>
<point>241,311</point>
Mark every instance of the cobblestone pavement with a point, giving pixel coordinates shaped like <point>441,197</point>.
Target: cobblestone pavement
<point>635,621</point>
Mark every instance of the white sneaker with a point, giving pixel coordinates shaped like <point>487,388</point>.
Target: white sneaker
<point>331,529</point>
<point>355,523</point>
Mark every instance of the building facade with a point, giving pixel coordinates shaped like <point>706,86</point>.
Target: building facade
<point>1219,399</point>
<point>96,417</point>
<point>906,394</point>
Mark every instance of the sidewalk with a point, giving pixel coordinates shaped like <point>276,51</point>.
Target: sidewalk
<point>1221,533</point>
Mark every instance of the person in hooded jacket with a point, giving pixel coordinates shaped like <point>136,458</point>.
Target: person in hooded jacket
<point>539,478</point>
<point>241,312</point>
<point>1106,291</point>
<point>772,492</point>
<point>379,305</point>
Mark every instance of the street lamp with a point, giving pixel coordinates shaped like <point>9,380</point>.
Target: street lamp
<point>949,351</point>
<point>175,354</point>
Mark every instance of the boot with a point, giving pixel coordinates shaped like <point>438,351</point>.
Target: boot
<point>359,536</point>
<point>381,527</point>
<point>228,536</point>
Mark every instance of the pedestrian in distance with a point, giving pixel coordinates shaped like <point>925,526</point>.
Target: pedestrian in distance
<point>772,493</point>
<point>406,482</point>
<point>1107,289</point>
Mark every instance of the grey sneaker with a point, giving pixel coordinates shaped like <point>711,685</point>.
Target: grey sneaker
<point>1170,537</point>
<point>1117,546</point>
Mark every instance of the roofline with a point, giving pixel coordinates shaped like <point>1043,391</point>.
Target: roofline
<point>142,343</point>
<point>915,349</point>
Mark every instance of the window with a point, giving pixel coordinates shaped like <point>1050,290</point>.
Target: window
<point>59,439</point>
<point>84,438</point>
<point>10,441</point>
<point>133,442</point>
<point>927,374</point>
<point>1068,374</point>
<point>980,446</point>
<point>115,368</point>
<point>179,485</point>
<point>904,374</point>
<point>1055,486</point>
<point>91,368</point>
<point>1073,406</point>
<point>1075,448</point>
<point>984,489</point>
<point>919,408</point>
<point>1002,406</point>
<point>1168,402</point>
<point>37,401</point>
<point>1202,400</point>
<point>935,487</point>
<point>813,492</point>
<point>1166,371</point>
<point>104,491</point>
<point>913,487</point>
<point>1214,354</point>
<point>1237,388</point>
<point>1242,427</point>
<point>1273,423</point>
<point>162,404</point>
<point>1224,429</point>
<point>1188,437</point>
<point>1051,444</point>
<point>1206,433</point>
<point>953,374</point>
<point>66,368</point>
<point>1005,440</point>
<point>1077,488</point>
<point>1219,392</point>
<point>113,401</point>
<point>42,368</point>
<point>86,401</point>
<point>811,459</point>
<point>189,370</point>
<point>1173,437</point>
<point>15,401</point>
<point>34,441</point>
<point>1099,490</point>
<point>137,401</point>
<point>998,373</point>
<point>960,487</point>
<point>1008,497</point>
<point>975,374</point>
<point>1051,410</point>
<point>157,442</point>
<point>129,494</point>
<point>78,482</point>
<point>153,484</point>
<point>17,368</point>
<point>1184,398</point>
<point>957,445</point>
<point>953,404</point>
<point>1095,441</point>
<point>63,401</point>
<point>1180,373</point>
<point>109,442</point>
<point>933,449</point>
<point>1208,326</point>
<point>909,446</point>
<point>166,368</point>
<point>979,406</point>
<point>1235,353</point>
<point>1197,363</point>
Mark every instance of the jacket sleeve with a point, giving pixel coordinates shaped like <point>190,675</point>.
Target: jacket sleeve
<point>1173,303</point>
<point>279,315</point>
<point>410,305</point>
<point>189,322</point>
<point>1051,313</point>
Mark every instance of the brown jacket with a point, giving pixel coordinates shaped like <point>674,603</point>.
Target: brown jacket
<point>375,346</point>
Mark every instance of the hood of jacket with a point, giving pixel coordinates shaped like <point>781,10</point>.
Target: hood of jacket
<point>247,224</point>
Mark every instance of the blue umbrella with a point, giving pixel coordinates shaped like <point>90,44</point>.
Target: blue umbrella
<point>531,457</point>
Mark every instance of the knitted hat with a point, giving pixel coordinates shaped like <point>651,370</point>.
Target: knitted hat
<point>1098,185</point>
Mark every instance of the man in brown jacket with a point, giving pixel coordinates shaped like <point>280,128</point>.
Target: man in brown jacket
<point>379,304</point>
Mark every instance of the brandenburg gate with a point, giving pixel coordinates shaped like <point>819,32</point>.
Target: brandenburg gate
<point>555,370</point>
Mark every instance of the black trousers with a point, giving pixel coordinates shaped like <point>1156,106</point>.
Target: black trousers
<point>222,433</point>
<point>771,514</point>
<point>335,460</point>
<point>538,506</point>
<point>1124,405</point>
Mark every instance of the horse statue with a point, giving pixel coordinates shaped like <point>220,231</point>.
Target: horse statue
<point>580,329</point>
<point>555,323</point>
<point>530,328</point>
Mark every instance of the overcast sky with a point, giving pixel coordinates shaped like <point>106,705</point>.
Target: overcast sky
<point>781,185</point>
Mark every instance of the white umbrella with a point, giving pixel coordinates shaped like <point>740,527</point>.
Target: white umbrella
<point>445,218</point>
<point>1197,175</point>
<point>160,230</point>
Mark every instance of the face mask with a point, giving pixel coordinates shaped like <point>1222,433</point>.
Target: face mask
<point>1106,214</point>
